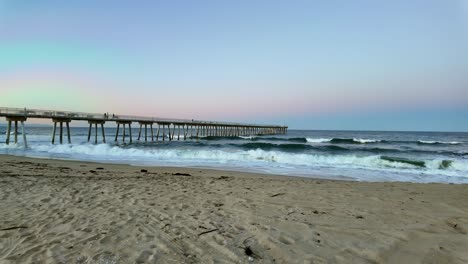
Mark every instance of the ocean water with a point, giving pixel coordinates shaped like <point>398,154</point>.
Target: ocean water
<point>351,155</point>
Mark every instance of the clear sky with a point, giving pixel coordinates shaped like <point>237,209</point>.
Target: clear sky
<point>379,65</point>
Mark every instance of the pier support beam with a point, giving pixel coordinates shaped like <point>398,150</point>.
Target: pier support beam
<point>157,133</point>
<point>16,119</point>
<point>139,131</point>
<point>24,135</point>
<point>16,132</point>
<point>8,132</point>
<point>103,133</point>
<point>178,133</point>
<point>68,132</point>
<point>60,121</point>
<point>171,134</point>
<point>146,133</point>
<point>117,132</point>
<point>123,123</point>
<point>96,123</point>
<point>144,123</point>
<point>168,131</point>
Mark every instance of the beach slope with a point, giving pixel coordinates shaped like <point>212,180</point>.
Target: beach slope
<point>55,211</point>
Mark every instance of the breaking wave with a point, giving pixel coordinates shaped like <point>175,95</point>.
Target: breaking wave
<point>438,142</point>
<point>254,156</point>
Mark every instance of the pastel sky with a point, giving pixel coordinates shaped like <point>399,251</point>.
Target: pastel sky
<point>363,64</point>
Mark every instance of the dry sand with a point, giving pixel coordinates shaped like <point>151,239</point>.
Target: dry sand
<point>76,212</point>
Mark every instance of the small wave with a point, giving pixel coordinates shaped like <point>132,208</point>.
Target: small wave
<point>342,140</point>
<point>416,163</point>
<point>445,164</point>
<point>268,146</point>
<point>299,139</point>
<point>257,138</point>
<point>330,148</point>
<point>364,141</point>
<point>369,141</point>
<point>294,139</point>
<point>353,140</point>
<point>318,140</point>
<point>438,142</point>
<point>216,138</point>
<point>290,147</point>
<point>435,164</point>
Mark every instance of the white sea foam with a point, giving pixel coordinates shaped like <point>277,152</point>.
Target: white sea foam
<point>357,140</point>
<point>12,146</point>
<point>363,140</point>
<point>272,161</point>
<point>318,140</point>
<point>439,142</point>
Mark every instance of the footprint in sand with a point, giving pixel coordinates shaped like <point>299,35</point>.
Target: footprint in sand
<point>286,240</point>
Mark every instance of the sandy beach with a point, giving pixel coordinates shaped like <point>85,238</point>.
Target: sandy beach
<point>54,211</point>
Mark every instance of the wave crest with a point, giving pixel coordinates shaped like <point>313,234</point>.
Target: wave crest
<point>438,142</point>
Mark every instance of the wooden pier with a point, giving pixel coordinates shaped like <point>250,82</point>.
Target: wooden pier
<point>167,129</point>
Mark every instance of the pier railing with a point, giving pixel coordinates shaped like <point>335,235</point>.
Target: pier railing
<point>39,113</point>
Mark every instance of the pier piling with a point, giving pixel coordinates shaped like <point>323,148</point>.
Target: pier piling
<point>7,141</point>
<point>68,132</point>
<point>103,133</point>
<point>15,119</point>
<point>117,132</point>
<point>157,133</point>
<point>16,132</point>
<point>143,123</point>
<point>61,133</point>
<point>129,125</point>
<point>60,121</point>
<point>24,135</point>
<point>139,133</point>
<point>96,123</point>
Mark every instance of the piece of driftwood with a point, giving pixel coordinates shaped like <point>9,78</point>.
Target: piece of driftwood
<point>278,194</point>
<point>12,228</point>
<point>209,231</point>
<point>181,174</point>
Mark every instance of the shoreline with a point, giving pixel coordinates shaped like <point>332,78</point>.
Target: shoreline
<point>212,169</point>
<point>235,170</point>
<point>84,212</point>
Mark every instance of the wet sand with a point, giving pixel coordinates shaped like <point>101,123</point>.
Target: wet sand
<point>79,212</point>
